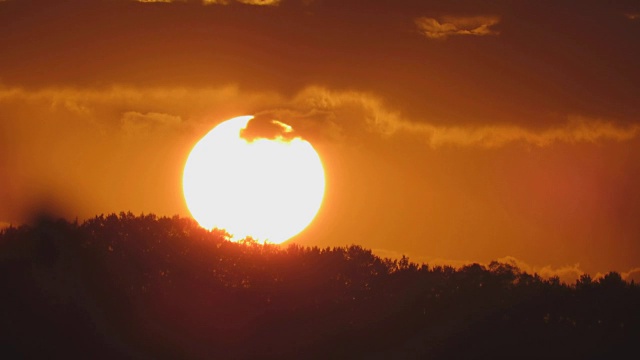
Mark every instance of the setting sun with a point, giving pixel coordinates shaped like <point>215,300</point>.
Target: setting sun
<point>268,189</point>
<point>412,179</point>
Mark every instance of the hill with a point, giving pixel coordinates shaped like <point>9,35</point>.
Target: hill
<point>125,286</point>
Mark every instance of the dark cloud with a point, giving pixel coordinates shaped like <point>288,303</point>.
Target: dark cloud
<point>263,127</point>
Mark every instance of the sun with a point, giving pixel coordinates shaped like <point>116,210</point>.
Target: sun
<point>269,189</point>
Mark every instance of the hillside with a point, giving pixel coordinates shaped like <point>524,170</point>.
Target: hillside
<point>125,286</point>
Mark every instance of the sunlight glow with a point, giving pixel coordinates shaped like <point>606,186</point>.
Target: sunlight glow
<point>268,189</point>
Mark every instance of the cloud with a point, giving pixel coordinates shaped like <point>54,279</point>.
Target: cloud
<point>217,2</point>
<point>112,102</point>
<point>567,274</point>
<point>138,124</point>
<point>260,2</point>
<point>314,111</point>
<point>632,275</point>
<point>246,2</point>
<point>457,25</point>
<point>355,111</point>
<point>261,127</point>
<point>160,1</point>
<point>575,130</point>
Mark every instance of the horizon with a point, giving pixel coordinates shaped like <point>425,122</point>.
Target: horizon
<point>567,277</point>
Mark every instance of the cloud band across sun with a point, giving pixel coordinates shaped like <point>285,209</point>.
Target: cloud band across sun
<point>375,117</point>
<point>332,112</point>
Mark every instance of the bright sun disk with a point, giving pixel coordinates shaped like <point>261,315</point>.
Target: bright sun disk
<point>268,189</point>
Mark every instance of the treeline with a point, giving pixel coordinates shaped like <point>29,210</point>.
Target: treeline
<point>137,287</point>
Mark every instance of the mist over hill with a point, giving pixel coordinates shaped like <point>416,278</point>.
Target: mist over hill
<point>126,286</point>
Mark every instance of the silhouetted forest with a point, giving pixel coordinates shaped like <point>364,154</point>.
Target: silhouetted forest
<point>137,287</point>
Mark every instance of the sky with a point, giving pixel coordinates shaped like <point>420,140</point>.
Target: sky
<point>450,131</point>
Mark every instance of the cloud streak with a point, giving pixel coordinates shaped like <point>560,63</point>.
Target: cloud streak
<point>138,124</point>
<point>376,117</point>
<point>160,1</point>
<point>632,275</point>
<point>216,2</point>
<point>574,130</point>
<point>568,274</point>
<point>457,26</point>
<point>336,114</point>
<point>245,2</point>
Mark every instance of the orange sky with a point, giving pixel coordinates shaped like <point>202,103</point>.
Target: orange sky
<point>451,131</point>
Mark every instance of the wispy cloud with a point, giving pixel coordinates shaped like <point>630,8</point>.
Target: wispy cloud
<point>375,117</point>
<point>337,114</point>
<point>139,124</point>
<point>217,2</point>
<point>567,274</point>
<point>160,1</point>
<point>457,25</point>
<point>246,2</point>
<point>632,275</point>
<point>575,130</point>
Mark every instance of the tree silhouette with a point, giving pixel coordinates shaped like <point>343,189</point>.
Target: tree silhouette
<point>126,286</point>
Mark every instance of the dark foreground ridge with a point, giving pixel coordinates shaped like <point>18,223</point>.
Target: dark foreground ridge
<point>140,287</point>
